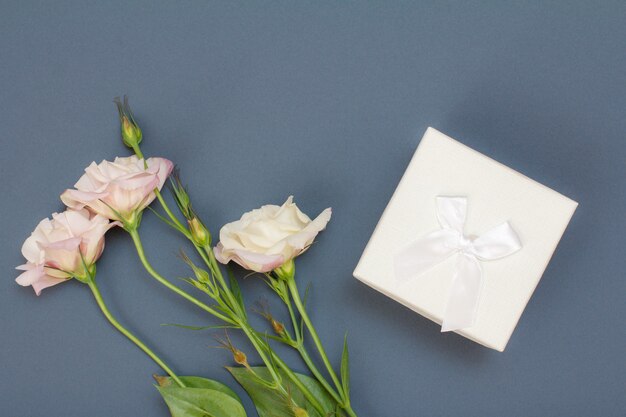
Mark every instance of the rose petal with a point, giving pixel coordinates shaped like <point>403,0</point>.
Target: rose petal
<point>249,260</point>
<point>32,273</point>
<point>307,235</point>
<point>45,282</point>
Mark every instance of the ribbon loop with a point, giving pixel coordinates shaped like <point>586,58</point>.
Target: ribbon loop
<point>434,248</point>
<point>424,253</point>
<point>496,243</point>
<point>451,212</point>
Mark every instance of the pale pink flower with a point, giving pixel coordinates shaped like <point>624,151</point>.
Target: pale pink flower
<point>59,249</point>
<point>265,238</point>
<point>119,189</point>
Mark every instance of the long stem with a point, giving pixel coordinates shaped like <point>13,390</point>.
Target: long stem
<point>264,358</point>
<point>142,256</point>
<point>171,215</point>
<point>340,397</point>
<point>140,251</point>
<point>98,296</point>
<point>261,352</point>
<point>209,258</point>
<point>296,381</point>
<point>305,355</point>
<point>252,335</point>
<point>169,212</point>
<point>177,222</point>
<point>257,342</point>
<point>293,289</point>
<point>311,365</point>
<point>217,272</point>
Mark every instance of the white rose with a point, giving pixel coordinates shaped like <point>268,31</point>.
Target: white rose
<point>265,238</point>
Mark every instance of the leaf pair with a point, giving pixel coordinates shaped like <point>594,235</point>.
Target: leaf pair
<point>269,403</point>
<point>200,397</point>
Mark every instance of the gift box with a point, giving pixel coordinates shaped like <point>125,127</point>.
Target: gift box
<point>464,240</point>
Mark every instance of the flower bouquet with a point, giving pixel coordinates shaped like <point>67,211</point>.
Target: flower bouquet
<point>265,241</point>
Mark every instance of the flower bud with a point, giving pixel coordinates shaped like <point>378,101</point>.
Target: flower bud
<point>199,233</point>
<point>240,357</point>
<point>278,327</point>
<point>300,412</point>
<point>131,133</point>
<point>181,196</point>
<point>286,270</point>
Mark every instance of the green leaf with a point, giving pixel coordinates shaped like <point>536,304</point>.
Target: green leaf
<point>183,326</point>
<point>197,382</point>
<point>163,219</point>
<point>269,403</point>
<point>305,299</point>
<point>345,367</point>
<point>200,398</point>
<point>234,286</point>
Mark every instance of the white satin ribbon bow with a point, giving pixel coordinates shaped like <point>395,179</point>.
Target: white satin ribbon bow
<point>424,253</point>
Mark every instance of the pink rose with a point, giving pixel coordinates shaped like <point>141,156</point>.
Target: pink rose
<point>56,250</point>
<point>266,238</point>
<point>119,189</point>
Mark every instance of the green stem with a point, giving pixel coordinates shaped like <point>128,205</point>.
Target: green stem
<point>98,296</point>
<point>142,256</point>
<point>177,222</point>
<point>296,381</point>
<point>170,214</point>
<point>138,152</point>
<point>305,355</point>
<point>263,356</point>
<point>293,289</point>
<point>255,342</point>
<point>294,322</point>
<point>217,272</point>
<point>254,339</point>
<point>209,258</point>
<point>309,363</point>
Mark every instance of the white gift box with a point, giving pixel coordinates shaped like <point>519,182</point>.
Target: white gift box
<point>495,194</point>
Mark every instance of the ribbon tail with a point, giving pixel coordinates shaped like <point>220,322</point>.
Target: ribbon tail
<point>496,243</point>
<point>422,254</point>
<point>464,294</point>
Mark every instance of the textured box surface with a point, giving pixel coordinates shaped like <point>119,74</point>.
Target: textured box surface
<point>495,193</point>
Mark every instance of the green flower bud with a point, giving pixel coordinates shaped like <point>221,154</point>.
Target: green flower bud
<point>300,412</point>
<point>181,196</point>
<point>131,133</point>
<point>199,233</point>
<point>286,271</point>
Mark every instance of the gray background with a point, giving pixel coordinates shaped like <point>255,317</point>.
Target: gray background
<point>326,101</point>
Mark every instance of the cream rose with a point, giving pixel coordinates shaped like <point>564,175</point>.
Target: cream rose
<point>57,248</point>
<point>118,189</point>
<point>265,238</point>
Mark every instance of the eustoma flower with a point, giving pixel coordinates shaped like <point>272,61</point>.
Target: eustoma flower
<point>121,189</point>
<point>66,246</point>
<point>266,238</point>
<point>230,309</point>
